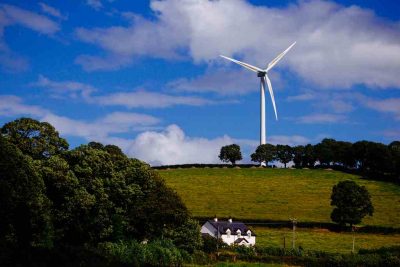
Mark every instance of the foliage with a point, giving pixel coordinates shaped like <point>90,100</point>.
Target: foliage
<point>324,151</point>
<point>211,244</point>
<point>230,153</point>
<point>37,139</point>
<point>25,221</point>
<point>353,202</point>
<point>61,200</point>
<point>187,236</point>
<point>284,154</point>
<point>264,153</point>
<point>155,253</point>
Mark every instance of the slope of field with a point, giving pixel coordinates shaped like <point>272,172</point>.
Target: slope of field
<point>275,194</point>
<point>323,240</point>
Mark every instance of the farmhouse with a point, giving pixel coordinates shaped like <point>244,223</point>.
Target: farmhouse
<point>230,232</point>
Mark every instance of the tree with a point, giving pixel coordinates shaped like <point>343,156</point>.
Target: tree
<point>264,153</point>
<point>298,156</point>
<point>309,156</point>
<point>324,151</point>
<point>353,202</point>
<point>37,139</point>
<point>230,153</point>
<point>25,222</point>
<point>395,151</point>
<point>284,154</point>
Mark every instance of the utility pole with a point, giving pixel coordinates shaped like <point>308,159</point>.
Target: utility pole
<point>354,237</point>
<point>294,222</point>
<point>217,236</point>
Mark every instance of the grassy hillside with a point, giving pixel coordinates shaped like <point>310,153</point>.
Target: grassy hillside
<point>323,240</point>
<point>276,194</point>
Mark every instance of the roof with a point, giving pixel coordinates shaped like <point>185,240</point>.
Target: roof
<point>239,240</point>
<point>222,226</point>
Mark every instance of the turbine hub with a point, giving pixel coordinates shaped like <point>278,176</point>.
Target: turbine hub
<point>261,74</point>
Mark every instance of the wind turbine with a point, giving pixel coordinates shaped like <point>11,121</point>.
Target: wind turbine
<point>262,74</point>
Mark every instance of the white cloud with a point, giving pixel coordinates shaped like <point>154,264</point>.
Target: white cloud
<point>97,129</point>
<point>302,97</point>
<point>172,146</point>
<point>12,15</point>
<point>133,99</point>
<point>101,129</point>
<point>337,46</point>
<point>293,140</point>
<point>321,118</point>
<point>389,105</point>
<point>144,99</point>
<point>327,101</point>
<point>71,88</point>
<point>95,4</point>
<point>28,19</point>
<point>392,133</point>
<point>168,146</point>
<point>52,11</point>
<point>13,106</point>
<point>223,82</point>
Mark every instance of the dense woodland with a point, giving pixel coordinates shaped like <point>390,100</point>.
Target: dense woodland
<point>85,205</point>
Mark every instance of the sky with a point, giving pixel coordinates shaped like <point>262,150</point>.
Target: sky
<point>147,76</point>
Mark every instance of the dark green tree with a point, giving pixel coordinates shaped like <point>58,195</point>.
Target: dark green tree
<point>343,154</point>
<point>309,156</point>
<point>264,153</point>
<point>284,154</point>
<point>373,159</point>
<point>299,156</point>
<point>230,153</point>
<point>37,139</point>
<point>395,151</point>
<point>352,203</point>
<point>25,221</point>
<point>324,151</point>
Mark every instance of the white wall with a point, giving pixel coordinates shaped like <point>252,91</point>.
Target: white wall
<point>208,228</point>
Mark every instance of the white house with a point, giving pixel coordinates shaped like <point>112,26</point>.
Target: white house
<point>230,232</point>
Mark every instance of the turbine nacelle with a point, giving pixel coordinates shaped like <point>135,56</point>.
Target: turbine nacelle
<point>261,74</point>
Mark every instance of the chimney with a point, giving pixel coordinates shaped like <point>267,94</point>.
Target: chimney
<point>230,220</point>
<point>215,219</point>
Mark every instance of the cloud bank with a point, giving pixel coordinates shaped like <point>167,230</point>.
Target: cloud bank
<point>337,46</point>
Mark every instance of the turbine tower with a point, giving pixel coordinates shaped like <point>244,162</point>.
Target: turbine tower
<point>262,74</point>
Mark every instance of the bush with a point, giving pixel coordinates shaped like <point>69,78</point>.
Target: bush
<point>156,253</point>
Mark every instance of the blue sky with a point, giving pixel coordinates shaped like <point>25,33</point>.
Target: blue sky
<point>147,76</point>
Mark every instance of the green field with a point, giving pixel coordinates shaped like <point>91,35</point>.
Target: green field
<point>323,240</point>
<point>275,194</point>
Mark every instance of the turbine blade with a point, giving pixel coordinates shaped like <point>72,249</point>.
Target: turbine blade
<point>279,57</point>
<point>247,66</point>
<point>272,95</point>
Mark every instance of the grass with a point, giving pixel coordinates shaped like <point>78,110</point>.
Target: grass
<point>275,194</point>
<point>323,240</point>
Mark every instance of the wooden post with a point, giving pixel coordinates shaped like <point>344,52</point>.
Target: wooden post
<point>284,243</point>
<point>294,221</point>
<point>354,237</point>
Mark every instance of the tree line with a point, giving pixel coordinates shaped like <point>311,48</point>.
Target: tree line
<point>371,159</point>
<point>62,207</point>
